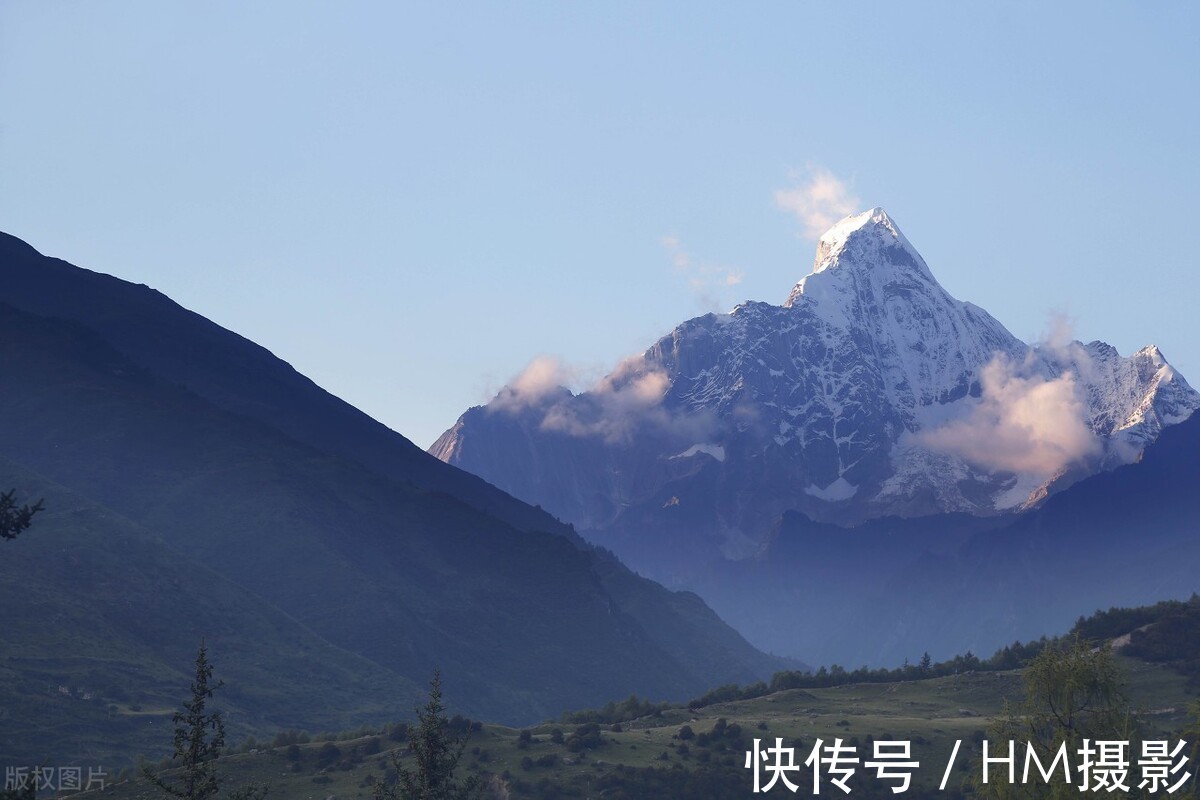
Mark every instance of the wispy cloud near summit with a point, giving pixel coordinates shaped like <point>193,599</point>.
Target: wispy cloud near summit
<point>818,200</point>
<point>708,282</point>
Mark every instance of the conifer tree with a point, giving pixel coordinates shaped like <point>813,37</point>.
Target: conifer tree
<point>15,519</point>
<point>437,752</point>
<point>199,740</point>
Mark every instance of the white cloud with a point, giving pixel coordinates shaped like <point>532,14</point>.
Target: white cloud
<point>818,200</point>
<point>628,397</point>
<point>1059,332</point>
<point>1022,423</point>
<point>707,281</point>
<point>542,378</point>
<point>1058,343</point>
<point>627,400</point>
<point>634,379</point>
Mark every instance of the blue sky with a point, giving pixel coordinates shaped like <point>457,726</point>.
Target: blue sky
<point>410,202</point>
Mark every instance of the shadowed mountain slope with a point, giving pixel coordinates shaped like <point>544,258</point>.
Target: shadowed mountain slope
<point>250,472</point>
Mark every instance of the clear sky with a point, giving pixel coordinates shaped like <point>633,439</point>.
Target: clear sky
<point>408,202</point>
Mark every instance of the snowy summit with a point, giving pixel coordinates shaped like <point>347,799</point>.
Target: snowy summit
<point>871,391</point>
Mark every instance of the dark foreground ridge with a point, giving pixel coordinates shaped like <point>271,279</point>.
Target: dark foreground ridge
<point>199,487</point>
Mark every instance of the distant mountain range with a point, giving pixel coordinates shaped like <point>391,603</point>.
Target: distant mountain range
<point>843,472</point>
<point>197,486</point>
<point>892,588</point>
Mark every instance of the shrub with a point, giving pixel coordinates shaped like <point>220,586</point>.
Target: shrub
<point>327,755</point>
<point>585,737</point>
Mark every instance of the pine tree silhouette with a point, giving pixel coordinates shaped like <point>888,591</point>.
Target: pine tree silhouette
<point>437,752</point>
<point>15,519</point>
<point>199,740</point>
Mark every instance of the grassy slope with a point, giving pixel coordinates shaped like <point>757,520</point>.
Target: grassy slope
<point>931,713</point>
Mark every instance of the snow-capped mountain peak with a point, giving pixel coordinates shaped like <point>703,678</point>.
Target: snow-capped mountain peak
<point>866,245</point>
<point>871,391</point>
<point>872,291</point>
